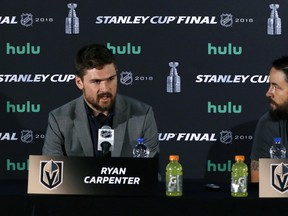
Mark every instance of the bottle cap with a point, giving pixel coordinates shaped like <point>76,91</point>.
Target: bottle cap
<point>140,140</point>
<point>174,157</point>
<point>277,139</point>
<point>239,158</point>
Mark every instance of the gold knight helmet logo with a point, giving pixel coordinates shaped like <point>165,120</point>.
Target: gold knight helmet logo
<point>51,173</point>
<point>279,177</point>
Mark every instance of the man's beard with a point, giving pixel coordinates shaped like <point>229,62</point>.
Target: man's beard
<point>103,109</point>
<point>100,108</point>
<point>280,112</point>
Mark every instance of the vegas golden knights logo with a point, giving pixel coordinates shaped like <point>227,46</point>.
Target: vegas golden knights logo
<point>51,173</point>
<point>279,177</point>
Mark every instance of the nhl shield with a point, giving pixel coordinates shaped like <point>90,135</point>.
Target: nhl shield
<point>226,20</point>
<point>26,19</point>
<point>126,78</point>
<point>27,136</point>
<point>226,137</point>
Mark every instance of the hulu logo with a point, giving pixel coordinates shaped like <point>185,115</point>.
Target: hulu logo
<point>21,108</point>
<point>20,166</point>
<point>224,50</point>
<point>121,50</point>
<point>229,108</point>
<point>22,50</point>
<point>219,167</point>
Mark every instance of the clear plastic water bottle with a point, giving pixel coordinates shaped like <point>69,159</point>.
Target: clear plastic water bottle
<point>239,177</point>
<point>174,177</point>
<point>277,150</point>
<point>140,150</point>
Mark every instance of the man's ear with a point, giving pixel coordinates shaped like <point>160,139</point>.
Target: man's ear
<point>79,82</point>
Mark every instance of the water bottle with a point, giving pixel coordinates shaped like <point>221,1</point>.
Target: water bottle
<point>174,177</point>
<point>140,150</point>
<point>277,150</point>
<point>239,177</point>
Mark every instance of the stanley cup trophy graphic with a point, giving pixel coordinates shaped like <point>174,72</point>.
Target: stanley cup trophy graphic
<point>173,80</point>
<point>72,21</point>
<point>274,22</point>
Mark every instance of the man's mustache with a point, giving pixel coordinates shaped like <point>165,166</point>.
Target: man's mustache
<point>105,94</point>
<point>272,102</point>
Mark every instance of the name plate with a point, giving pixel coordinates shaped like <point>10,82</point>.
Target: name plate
<point>92,175</point>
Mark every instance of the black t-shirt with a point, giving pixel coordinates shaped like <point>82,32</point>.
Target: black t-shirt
<point>266,130</point>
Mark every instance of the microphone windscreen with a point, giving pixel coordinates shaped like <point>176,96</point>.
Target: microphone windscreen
<point>106,127</point>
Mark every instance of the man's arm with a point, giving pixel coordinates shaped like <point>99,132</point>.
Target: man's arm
<point>53,142</point>
<point>151,133</point>
<point>254,171</point>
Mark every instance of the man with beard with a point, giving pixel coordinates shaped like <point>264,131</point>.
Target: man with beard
<point>73,128</point>
<point>273,123</point>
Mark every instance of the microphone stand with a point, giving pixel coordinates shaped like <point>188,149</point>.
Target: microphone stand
<point>106,149</point>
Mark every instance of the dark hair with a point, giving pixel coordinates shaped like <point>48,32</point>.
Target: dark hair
<point>282,65</point>
<point>93,56</point>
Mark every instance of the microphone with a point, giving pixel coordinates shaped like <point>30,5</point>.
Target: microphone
<point>106,140</point>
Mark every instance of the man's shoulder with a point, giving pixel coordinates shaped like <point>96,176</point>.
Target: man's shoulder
<point>267,121</point>
<point>71,105</point>
<point>265,117</point>
<point>129,104</point>
<point>131,101</point>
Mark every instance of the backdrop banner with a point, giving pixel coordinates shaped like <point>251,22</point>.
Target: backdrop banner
<point>219,53</point>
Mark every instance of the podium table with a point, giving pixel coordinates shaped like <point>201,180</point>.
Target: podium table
<point>196,200</point>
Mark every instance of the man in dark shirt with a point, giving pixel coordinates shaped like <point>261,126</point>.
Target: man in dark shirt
<point>274,122</point>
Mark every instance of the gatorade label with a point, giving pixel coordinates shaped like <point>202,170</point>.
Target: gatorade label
<point>239,185</point>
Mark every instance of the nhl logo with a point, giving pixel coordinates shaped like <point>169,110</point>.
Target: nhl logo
<point>27,136</point>
<point>226,137</point>
<point>106,133</point>
<point>26,19</point>
<point>226,20</point>
<point>126,78</point>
